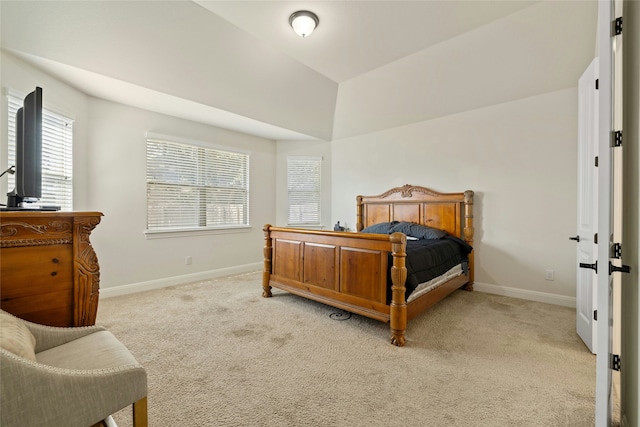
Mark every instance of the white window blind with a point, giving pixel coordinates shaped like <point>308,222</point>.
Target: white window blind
<point>304,185</point>
<point>57,155</point>
<point>192,187</point>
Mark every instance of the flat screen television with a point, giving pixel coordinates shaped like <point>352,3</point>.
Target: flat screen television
<point>28,168</point>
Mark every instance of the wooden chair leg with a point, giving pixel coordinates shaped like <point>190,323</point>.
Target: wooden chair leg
<point>140,413</point>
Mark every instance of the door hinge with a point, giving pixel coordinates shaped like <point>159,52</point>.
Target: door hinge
<point>597,84</point>
<point>617,26</point>
<point>616,137</point>
<point>615,362</point>
<point>595,239</point>
<point>595,314</point>
<point>616,269</point>
<point>596,162</point>
<point>616,251</point>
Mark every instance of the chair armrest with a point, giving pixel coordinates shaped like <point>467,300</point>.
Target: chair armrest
<point>52,336</point>
<point>37,394</point>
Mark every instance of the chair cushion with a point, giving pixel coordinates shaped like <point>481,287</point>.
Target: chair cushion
<point>100,350</point>
<point>16,337</point>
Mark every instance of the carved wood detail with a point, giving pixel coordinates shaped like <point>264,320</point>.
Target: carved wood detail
<point>398,307</point>
<point>86,272</point>
<point>354,264</point>
<point>50,272</point>
<point>406,191</point>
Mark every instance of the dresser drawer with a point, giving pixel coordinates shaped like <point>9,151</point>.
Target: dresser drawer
<point>48,308</point>
<point>37,282</point>
<point>32,270</point>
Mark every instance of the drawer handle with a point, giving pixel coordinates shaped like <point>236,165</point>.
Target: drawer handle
<point>55,260</point>
<point>54,273</point>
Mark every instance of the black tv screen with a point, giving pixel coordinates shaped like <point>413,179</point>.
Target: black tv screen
<point>28,167</point>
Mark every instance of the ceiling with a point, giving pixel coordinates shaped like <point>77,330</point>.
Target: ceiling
<point>355,37</point>
<point>233,64</point>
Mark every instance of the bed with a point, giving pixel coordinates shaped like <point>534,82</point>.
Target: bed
<point>366,272</point>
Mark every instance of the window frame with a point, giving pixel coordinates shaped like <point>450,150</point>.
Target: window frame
<point>318,183</point>
<point>182,231</point>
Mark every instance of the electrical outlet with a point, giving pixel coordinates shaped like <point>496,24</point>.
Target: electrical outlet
<point>187,260</point>
<point>549,275</point>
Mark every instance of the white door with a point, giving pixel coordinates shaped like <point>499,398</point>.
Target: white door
<point>609,200</point>
<point>587,205</point>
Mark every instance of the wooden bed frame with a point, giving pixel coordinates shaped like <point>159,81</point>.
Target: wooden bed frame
<point>348,270</point>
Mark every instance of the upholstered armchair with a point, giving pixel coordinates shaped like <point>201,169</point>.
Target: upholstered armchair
<point>66,377</point>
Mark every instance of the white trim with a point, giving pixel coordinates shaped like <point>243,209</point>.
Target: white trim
<point>176,139</point>
<point>189,232</point>
<point>525,294</point>
<point>247,268</point>
<point>178,280</point>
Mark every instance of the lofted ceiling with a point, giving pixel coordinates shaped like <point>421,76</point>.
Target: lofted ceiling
<point>237,64</point>
<point>355,37</point>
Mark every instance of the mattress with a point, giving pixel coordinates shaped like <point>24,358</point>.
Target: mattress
<point>432,284</point>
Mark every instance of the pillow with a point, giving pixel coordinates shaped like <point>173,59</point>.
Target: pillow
<point>380,228</point>
<point>419,231</point>
<point>16,337</point>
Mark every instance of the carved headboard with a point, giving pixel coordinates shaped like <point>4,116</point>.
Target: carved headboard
<point>452,212</point>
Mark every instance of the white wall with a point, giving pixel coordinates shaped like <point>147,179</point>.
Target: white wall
<point>109,176</point>
<point>518,157</point>
<point>118,189</point>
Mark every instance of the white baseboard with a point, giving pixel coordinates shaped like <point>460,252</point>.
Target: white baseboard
<point>178,280</point>
<point>525,294</point>
<point>247,268</point>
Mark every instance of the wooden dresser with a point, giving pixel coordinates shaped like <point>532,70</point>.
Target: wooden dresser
<point>49,272</point>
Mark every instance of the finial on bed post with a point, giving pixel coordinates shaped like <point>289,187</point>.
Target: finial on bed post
<point>398,307</point>
<point>468,233</point>
<point>268,253</point>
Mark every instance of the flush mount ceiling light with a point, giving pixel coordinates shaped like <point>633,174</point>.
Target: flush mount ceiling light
<point>303,22</point>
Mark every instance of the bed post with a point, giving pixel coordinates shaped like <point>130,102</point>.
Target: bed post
<point>468,233</point>
<point>359,214</point>
<point>398,307</point>
<point>268,253</point>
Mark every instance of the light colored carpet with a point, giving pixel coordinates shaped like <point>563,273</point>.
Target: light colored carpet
<point>218,354</point>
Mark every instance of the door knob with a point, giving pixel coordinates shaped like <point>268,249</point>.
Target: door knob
<point>576,238</point>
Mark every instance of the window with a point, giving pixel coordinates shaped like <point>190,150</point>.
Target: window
<point>303,186</point>
<point>57,155</point>
<point>192,187</point>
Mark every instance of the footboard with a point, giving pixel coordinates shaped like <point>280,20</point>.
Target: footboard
<point>340,269</point>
